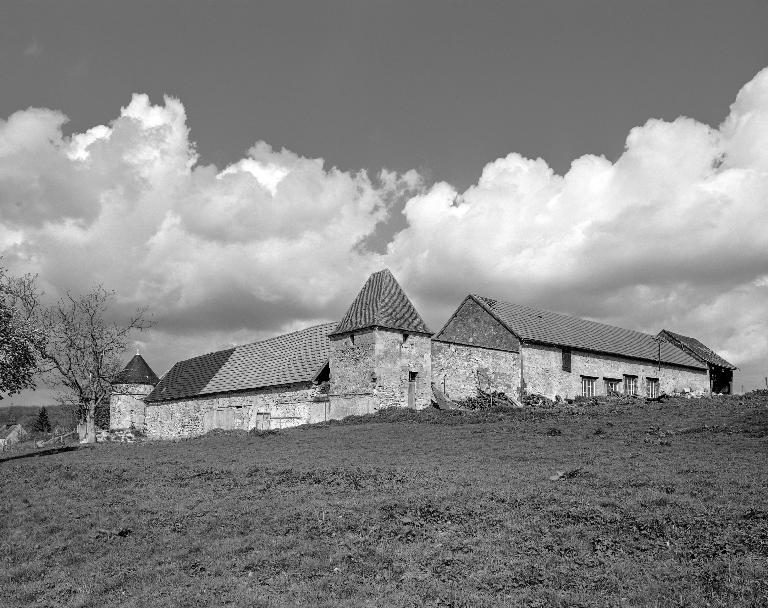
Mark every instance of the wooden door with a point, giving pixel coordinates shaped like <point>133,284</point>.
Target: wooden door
<point>412,389</point>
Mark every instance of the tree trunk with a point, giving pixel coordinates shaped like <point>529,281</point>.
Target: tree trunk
<point>86,429</point>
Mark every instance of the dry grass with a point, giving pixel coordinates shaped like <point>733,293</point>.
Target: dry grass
<point>657,505</point>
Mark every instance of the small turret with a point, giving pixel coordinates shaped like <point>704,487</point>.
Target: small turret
<point>129,388</point>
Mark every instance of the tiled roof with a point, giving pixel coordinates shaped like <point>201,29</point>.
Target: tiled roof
<point>137,371</point>
<point>294,357</point>
<point>188,378</point>
<point>535,325</point>
<point>697,349</point>
<point>382,303</point>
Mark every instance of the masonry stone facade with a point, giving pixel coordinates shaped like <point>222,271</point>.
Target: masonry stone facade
<point>543,373</point>
<point>262,409</point>
<point>460,370</point>
<point>126,405</point>
<point>378,368</point>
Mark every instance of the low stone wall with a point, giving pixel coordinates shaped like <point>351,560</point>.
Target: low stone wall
<point>460,370</point>
<point>116,435</point>
<point>270,408</point>
<point>543,373</point>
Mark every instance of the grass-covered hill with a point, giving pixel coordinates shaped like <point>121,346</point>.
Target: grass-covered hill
<point>592,505</point>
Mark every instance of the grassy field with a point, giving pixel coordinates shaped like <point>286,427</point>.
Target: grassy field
<point>653,505</point>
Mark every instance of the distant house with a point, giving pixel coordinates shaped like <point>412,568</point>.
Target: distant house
<point>11,435</point>
<point>720,371</point>
<point>508,347</point>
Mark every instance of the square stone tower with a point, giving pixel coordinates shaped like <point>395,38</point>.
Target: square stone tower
<point>380,352</point>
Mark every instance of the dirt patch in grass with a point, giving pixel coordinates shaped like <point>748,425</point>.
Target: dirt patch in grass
<point>658,505</point>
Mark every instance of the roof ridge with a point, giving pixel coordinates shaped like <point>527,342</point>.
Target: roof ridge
<point>560,314</point>
<point>285,335</point>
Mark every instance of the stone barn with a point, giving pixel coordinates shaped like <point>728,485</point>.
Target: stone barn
<point>275,383</point>
<point>382,354</point>
<point>517,349</point>
<point>720,371</point>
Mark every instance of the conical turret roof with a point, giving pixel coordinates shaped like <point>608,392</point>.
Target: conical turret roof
<point>136,372</point>
<point>382,303</point>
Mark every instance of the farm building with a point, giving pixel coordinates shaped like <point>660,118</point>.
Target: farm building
<point>382,354</point>
<point>512,348</point>
<point>720,371</point>
<point>129,389</point>
<point>274,383</point>
<point>377,356</point>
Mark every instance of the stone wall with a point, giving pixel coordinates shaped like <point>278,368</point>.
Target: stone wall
<point>371,369</point>
<point>126,407</point>
<point>543,373</point>
<point>399,355</point>
<point>269,408</point>
<point>455,370</point>
<point>352,364</point>
<point>473,325</point>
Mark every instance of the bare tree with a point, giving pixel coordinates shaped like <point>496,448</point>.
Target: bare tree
<point>83,351</point>
<point>77,349</point>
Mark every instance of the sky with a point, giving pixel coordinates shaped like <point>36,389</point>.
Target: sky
<point>240,168</point>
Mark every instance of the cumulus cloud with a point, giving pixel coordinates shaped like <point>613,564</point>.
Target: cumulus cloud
<point>267,243</point>
<point>671,235</point>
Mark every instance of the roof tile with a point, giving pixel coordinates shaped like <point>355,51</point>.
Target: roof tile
<point>382,303</point>
<point>697,349</point>
<point>536,325</point>
<point>137,371</point>
<point>293,357</point>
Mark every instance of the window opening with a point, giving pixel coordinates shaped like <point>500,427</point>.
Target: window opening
<point>652,387</point>
<point>612,386</point>
<point>566,359</point>
<point>588,386</point>
<point>630,385</point>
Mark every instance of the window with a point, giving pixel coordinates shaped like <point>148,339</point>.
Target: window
<point>566,359</point>
<point>587,386</point>
<point>612,386</point>
<point>412,376</point>
<point>405,338</point>
<point>630,385</point>
<point>653,387</point>
<point>352,339</point>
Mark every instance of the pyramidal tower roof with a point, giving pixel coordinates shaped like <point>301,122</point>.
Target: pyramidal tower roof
<point>136,372</point>
<point>382,303</point>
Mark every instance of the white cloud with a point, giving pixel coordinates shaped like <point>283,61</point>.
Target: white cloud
<point>670,235</point>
